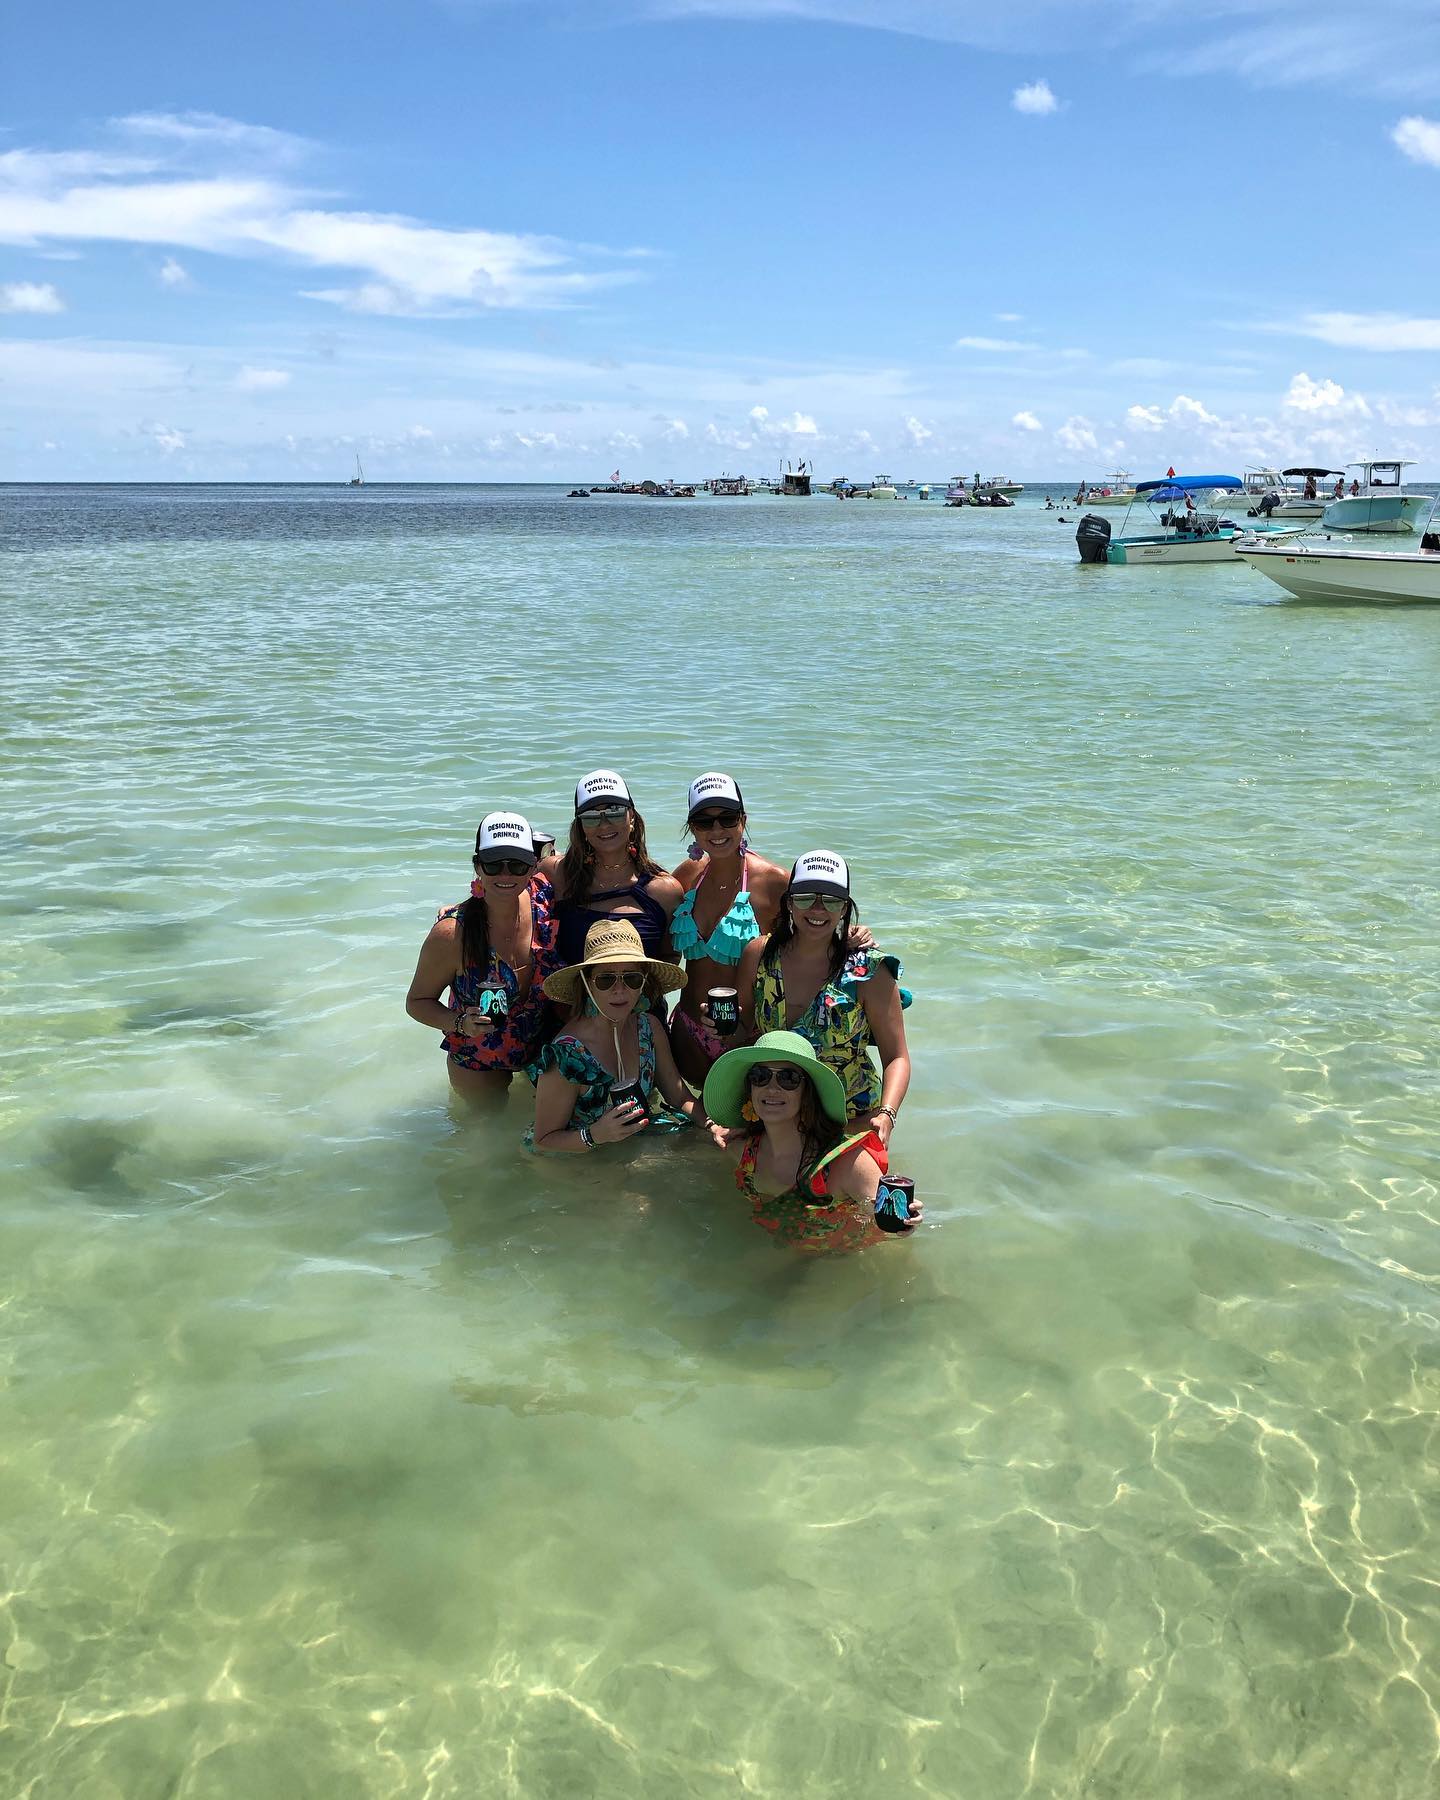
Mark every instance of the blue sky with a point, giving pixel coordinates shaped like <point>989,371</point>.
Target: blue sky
<point>483,240</point>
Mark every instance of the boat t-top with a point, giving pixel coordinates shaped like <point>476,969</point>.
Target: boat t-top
<point>1377,500</point>
<point>997,484</point>
<point>957,494</point>
<point>882,488</point>
<point>1188,534</point>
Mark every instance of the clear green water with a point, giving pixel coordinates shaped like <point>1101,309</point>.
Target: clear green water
<point>345,1450</point>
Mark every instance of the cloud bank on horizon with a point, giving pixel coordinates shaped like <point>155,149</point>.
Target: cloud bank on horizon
<point>194,294</point>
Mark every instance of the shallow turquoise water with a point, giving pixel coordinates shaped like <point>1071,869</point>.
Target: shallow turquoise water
<point>344,1449</point>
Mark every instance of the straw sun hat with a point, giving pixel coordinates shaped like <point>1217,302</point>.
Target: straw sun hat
<point>612,941</point>
<point>726,1086</point>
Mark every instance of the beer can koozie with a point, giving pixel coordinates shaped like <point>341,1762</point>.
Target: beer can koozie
<point>724,1011</point>
<point>892,1203</point>
<point>628,1090</point>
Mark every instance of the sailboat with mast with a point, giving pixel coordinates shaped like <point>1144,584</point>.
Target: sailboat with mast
<point>358,478</point>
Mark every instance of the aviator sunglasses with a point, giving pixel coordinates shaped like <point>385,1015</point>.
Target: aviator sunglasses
<point>605,982</point>
<point>786,1076</point>
<point>603,815</point>
<point>720,821</point>
<point>503,865</point>
<point>806,901</point>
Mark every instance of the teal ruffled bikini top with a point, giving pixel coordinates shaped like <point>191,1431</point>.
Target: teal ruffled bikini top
<point>731,934</point>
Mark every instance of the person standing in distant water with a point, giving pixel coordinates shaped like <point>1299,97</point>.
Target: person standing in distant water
<point>804,977</point>
<point>730,896</point>
<point>492,951</point>
<point>607,872</point>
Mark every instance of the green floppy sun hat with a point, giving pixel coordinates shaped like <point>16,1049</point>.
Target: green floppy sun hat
<point>726,1087</point>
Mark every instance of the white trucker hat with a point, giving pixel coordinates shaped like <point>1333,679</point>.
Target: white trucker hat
<point>821,872</point>
<point>505,834</point>
<point>601,787</point>
<point>714,789</point>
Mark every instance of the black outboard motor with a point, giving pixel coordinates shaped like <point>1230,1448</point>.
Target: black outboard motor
<point>1092,538</point>
<point>1268,505</point>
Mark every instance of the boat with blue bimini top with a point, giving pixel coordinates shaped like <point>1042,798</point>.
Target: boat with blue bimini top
<point>1187,534</point>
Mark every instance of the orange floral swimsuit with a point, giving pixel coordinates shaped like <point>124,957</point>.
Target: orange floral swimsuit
<point>799,1218</point>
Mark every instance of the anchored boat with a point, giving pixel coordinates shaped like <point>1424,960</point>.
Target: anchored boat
<point>1187,535</point>
<point>1381,503</point>
<point>1324,571</point>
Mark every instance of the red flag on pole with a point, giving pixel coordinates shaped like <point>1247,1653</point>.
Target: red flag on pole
<point>1170,474</point>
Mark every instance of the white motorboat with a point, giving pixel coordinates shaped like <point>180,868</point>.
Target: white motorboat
<point>957,494</point>
<point>1381,504</point>
<point>1116,490</point>
<point>1328,571</point>
<point>1308,502</point>
<point>1256,485</point>
<point>997,484</point>
<point>1189,536</point>
<point>881,488</point>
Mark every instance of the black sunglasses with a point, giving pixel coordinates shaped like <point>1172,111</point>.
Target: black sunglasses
<point>786,1076</point>
<point>807,902</point>
<point>503,865</point>
<point>709,821</point>
<point>631,978</point>
<point>596,815</point>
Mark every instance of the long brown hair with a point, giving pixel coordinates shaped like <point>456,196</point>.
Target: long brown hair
<point>474,932</point>
<point>579,859</point>
<point>818,1131</point>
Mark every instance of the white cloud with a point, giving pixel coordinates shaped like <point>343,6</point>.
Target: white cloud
<point>1027,422</point>
<point>676,431</point>
<point>1419,139</point>
<point>799,425</point>
<point>30,297</point>
<point>623,440</point>
<point>212,131</point>
<point>1145,418</point>
<point>1009,318</point>
<point>918,434</point>
<point>1309,396</point>
<point>1077,434</point>
<point>261,381</point>
<point>1035,97</point>
<point>989,344</point>
<point>405,265</point>
<point>165,437</point>
<point>759,414</point>
<point>1184,410</point>
<point>174,274</point>
<point>1369,331</point>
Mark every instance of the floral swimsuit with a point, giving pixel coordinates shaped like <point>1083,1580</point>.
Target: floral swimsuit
<point>577,1064</point>
<point>512,1041</point>
<point>800,1218</point>
<point>834,1022</point>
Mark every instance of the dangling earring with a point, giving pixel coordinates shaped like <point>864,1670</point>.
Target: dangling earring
<point>694,852</point>
<point>477,889</point>
<point>631,851</point>
<point>744,843</point>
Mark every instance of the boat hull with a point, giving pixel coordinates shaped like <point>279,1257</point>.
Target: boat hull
<point>1370,577</point>
<point>1376,512</point>
<point>1216,546</point>
<point>1298,509</point>
<point>1105,499</point>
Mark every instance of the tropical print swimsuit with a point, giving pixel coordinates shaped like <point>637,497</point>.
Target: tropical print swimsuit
<point>723,946</point>
<point>512,1041</point>
<point>580,1065</point>
<point>799,1218</point>
<point>834,1023</point>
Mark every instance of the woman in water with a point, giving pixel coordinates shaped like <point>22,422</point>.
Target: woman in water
<point>730,896</point>
<point>808,1183</point>
<point>606,871</point>
<point>492,952</point>
<point>805,977</point>
<point>610,1046</point>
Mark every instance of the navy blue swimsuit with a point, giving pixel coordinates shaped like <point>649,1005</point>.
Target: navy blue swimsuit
<point>649,918</point>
